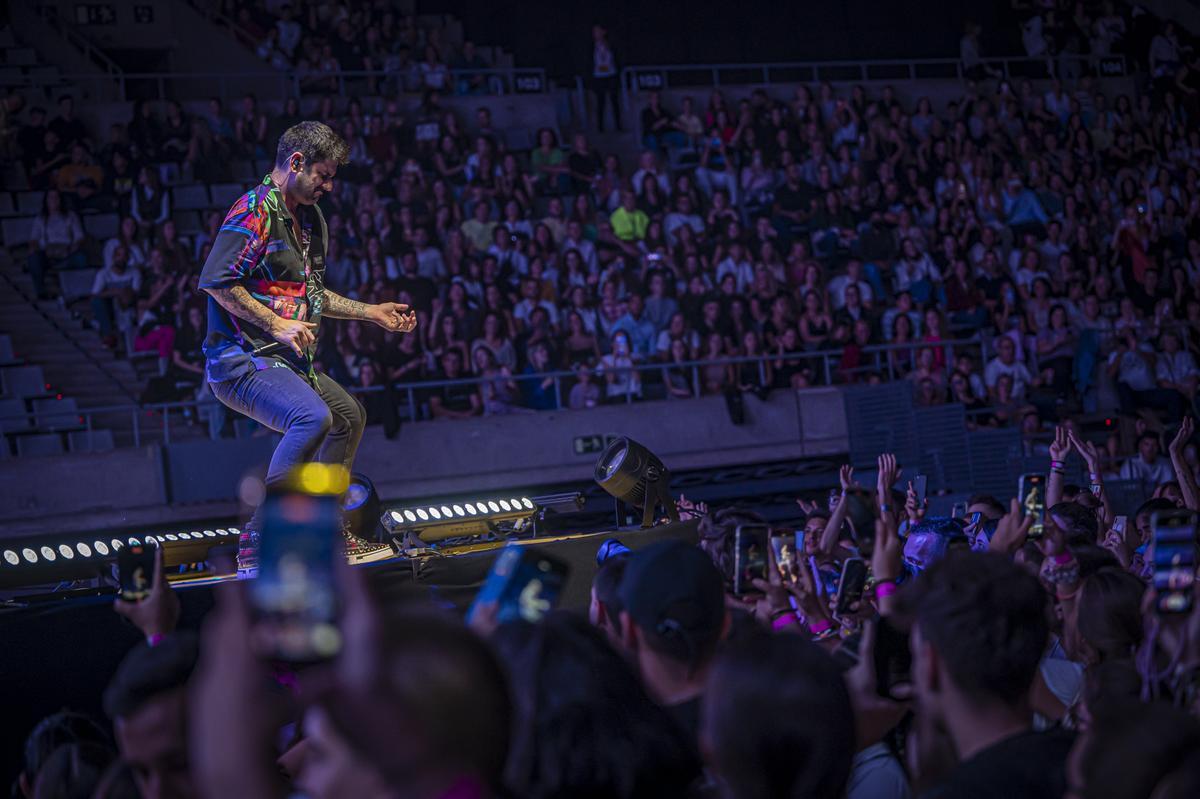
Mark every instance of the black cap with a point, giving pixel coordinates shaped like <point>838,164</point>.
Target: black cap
<point>673,591</point>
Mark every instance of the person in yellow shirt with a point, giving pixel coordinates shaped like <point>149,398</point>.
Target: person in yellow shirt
<point>628,221</point>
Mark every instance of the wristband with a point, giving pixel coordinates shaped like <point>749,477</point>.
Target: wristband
<point>884,507</point>
<point>818,627</point>
<point>1095,478</point>
<point>1057,465</point>
<point>785,621</point>
<point>155,639</point>
<point>885,588</point>
<point>1064,557</point>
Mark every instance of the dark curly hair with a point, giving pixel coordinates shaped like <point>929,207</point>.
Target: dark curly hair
<point>316,141</point>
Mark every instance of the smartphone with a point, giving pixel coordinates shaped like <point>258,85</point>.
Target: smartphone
<point>294,600</point>
<point>893,658</point>
<point>1118,525</point>
<point>1031,489</point>
<point>920,488</point>
<point>750,542</point>
<point>851,585</point>
<point>787,549</point>
<point>959,511</point>
<point>135,571</point>
<point>525,583</point>
<point>1174,560</point>
<point>975,517</point>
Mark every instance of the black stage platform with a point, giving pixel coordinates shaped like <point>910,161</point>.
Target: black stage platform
<point>60,651</point>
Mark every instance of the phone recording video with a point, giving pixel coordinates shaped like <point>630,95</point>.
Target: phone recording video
<point>750,556</point>
<point>787,549</point>
<point>1031,491</point>
<point>135,571</point>
<point>1174,560</point>
<point>851,585</point>
<point>524,583</point>
<point>921,489</point>
<point>295,598</point>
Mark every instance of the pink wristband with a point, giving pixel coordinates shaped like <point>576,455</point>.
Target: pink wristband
<point>155,640</point>
<point>818,627</point>
<point>784,621</point>
<point>884,589</point>
<point>1063,557</point>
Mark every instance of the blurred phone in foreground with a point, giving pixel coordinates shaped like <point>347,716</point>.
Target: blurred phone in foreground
<point>893,660</point>
<point>524,582</point>
<point>135,571</point>
<point>1031,492</point>
<point>750,542</point>
<point>294,598</point>
<point>1174,560</point>
<point>851,585</point>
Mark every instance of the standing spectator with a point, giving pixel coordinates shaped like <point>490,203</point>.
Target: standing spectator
<point>604,78</point>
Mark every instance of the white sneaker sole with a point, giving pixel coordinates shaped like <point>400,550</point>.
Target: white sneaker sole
<point>370,555</point>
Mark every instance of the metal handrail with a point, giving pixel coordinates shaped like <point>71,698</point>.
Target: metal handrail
<point>501,80</point>
<point>911,68</point>
<point>412,388</point>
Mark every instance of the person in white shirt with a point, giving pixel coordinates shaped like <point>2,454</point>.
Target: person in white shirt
<point>853,276</point>
<point>1006,363</point>
<point>55,239</point>
<point>648,165</point>
<point>1148,466</point>
<point>736,264</point>
<point>530,300</point>
<point>575,241</point>
<point>1176,368</point>
<point>114,295</point>
<point>683,214</point>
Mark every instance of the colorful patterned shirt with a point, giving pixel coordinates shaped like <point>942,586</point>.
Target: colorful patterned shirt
<point>256,247</point>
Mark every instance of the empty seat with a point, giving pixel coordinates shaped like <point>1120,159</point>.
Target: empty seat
<point>224,194</point>
<point>29,203</point>
<point>56,414</point>
<point>7,206</point>
<point>39,444</point>
<point>14,418</point>
<point>101,226</point>
<point>193,197</point>
<point>75,284</point>
<point>22,381</point>
<point>187,222</point>
<point>7,356</point>
<point>242,170</point>
<point>91,440</point>
<point>17,230</point>
<point>21,57</point>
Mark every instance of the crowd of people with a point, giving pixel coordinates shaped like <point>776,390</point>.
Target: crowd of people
<point>1026,253</point>
<point>1009,650</point>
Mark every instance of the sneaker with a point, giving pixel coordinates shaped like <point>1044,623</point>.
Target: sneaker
<point>247,557</point>
<point>360,550</point>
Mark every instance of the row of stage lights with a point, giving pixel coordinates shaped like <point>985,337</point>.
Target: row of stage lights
<point>102,549</point>
<point>432,514</point>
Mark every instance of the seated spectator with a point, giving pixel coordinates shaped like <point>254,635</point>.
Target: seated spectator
<point>1148,467</point>
<point>1132,366</point>
<point>499,393</point>
<point>114,296</point>
<point>1006,363</point>
<point>585,393</point>
<point>1176,369</point>
<point>628,221</point>
<point>622,381</point>
<point>457,401</point>
<point>639,329</point>
<point>540,395</point>
<point>56,241</point>
<point>150,203</point>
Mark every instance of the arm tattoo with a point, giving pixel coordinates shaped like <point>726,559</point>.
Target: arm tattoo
<point>340,307</point>
<point>238,302</point>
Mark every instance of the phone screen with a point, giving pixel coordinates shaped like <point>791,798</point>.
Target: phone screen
<point>295,598</point>
<point>920,488</point>
<point>1032,492</point>
<point>750,556</point>
<point>787,550</point>
<point>135,571</point>
<point>525,583</point>
<point>1174,560</point>
<point>851,585</point>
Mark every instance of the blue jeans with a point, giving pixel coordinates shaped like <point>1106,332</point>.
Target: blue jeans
<point>39,263</point>
<point>323,424</point>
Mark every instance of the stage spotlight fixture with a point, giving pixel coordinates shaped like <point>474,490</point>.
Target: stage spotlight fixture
<point>360,508</point>
<point>423,524</point>
<point>634,475</point>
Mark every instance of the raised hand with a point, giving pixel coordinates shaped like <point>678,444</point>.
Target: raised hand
<point>294,333</point>
<point>1061,444</point>
<point>846,476</point>
<point>1087,450</point>
<point>158,613</point>
<point>1012,530</point>
<point>393,316</point>
<point>1186,428</point>
<point>886,478</point>
<point>886,560</point>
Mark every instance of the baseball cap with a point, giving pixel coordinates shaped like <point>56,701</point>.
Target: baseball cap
<point>673,591</point>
